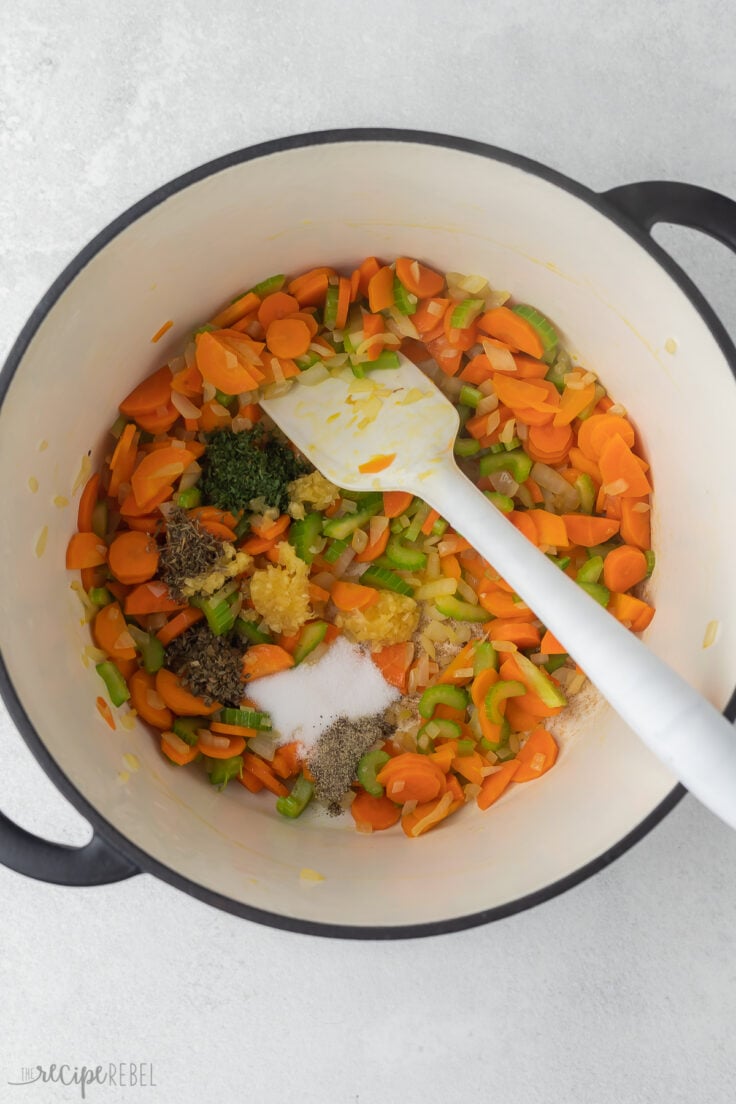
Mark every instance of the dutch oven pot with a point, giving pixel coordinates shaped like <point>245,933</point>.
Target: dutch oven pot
<point>624,308</point>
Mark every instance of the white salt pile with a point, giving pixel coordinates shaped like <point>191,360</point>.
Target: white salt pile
<point>305,700</point>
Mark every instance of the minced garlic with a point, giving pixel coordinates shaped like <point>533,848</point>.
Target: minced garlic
<point>280,593</point>
<point>312,489</point>
<point>230,564</point>
<point>391,620</point>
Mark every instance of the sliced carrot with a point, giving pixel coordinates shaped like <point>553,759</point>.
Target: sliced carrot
<point>503,606</point>
<point>153,597</point>
<point>514,330</point>
<point>394,661</point>
<point>188,382</point>
<point>264,774</point>
<point>583,463</point>
<point>429,521</point>
<point>287,760</point>
<point>160,420</point>
<point>235,747</point>
<point>618,462</point>
<point>179,624</point>
<point>256,546</point>
<point>536,757</point>
<point>378,813</point>
<point>147,702</point>
<point>530,702</point>
<point>373,326</point>
<point>214,417</point>
<point>381,290</point>
<point>310,288</point>
<point>550,645</point>
<point>318,594</point>
<point>463,661</point>
<point>181,758</point>
<point>549,444</point>
<point>636,524</point>
<point>452,545</point>
<point>288,337</point>
<point>354,284</point>
<point>179,699</point>
<point>528,367</point>
<point>534,490</point>
<point>572,403</point>
<point>429,814</point>
<point>367,269</point>
<point>123,458</point>
<point>462,339</point>
<point>443,755</point>
<point>447,356</point>
<point>352,596</point>
<point>429,315</point>
<point>275,306</point>
<point>418,279</point>
<point>520,633</point>
<point>624,567</point>
<point>343,302</point>
<point>133,557</point>
<point>522,520</point>
<point>156,471</point>
<point>631,611</point>
<point>87,503</point>
<point>450,567</point>
<point>520,719</point>
<point>377,463</point>
<point>522,394</point>
<point>233,313</point>
<point>220,365</point>
<point>270,531</point>
<point>550,528</point>
<point>85,550</point>
<point>411,777</point>
<point>477,370</point>
<point>596,430</point>
<point>105,712</point>
<point>375,549</point>
<point>494,785</point>
<point>111,634</point>
<point>249,780</point>
<point>396,502</point>
<point>265,659</point>
<point>148,396</point>
<point>470,767</point>
<point>587,531</point>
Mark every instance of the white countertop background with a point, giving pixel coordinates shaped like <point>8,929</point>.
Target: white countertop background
<point>622,991</point>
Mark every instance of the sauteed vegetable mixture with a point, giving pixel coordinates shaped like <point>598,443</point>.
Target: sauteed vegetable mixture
<point>213,556</point>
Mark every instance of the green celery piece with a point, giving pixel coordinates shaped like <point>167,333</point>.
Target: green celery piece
<point>514,443</point>
<point>301,794</point>
<point>546,331</point>
<point>460,611</point>
<point>439,528</point>
<point>425,743</point>
<point>539,682</point>
<point>228,401</point>
<point>554,662</point>
<point>249,631</point>
<point>484,656</point>
<point>602,549</point>
<point>189,498</point>
<point>187,729</point>
<point>311,635</point>
<point>504,688</point>
<point>561,561</point>
<point>369,765</point>
<point>591,570</point>
<point>118,425</point>
<point>470,396</point>
<point>306,361</point>
<point>517,462</point>
<point>343,527</point>
<point>358,370</point>
<point>601,593</point>
<point>649,556</point>
<point>117,688</point>
<point>466,446</point>
<point>222,770</point>
<point>267,286</point>
<point>304,534</point>
<point>420,516</point>
<point>466,312</point>
<point>246,718</point>
<point>152,654</point>
<point>442,694</point>
<point>448,729</point>
<point>99,519</point>
<point>220,618</point>
<point>465,747</point>
<point>100,596</point>
<point>329,317</point>
<point>403,558</point>
<point>386,359</point>
<point>586,489</point>
<point>334,550</point>
<point>404,301</point>
<point>384,579</point>
<point>559,369</point>
<point>502,502</point>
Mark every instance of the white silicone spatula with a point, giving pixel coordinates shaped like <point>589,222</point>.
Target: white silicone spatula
<point>407,427</point>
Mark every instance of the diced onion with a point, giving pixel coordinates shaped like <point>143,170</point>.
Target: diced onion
<point>435,309</point>
<point>359,540</point>
<point>618,409</point>
<point>471,791</point>
<point>190,476</point>
<point>434,816</point>
<point>641,508</point>
<point>208,391</point>
<point>378,526</point>
<point>618,487</point>
<point>344,561</point>
<point>488,404</point>
<point>501,359</point>
<point>154,699</point>
<point>433,569</point>
<point>504,646</point>
<point>241,425</point>
<point>124,640</point>
<point>467,592</point>
<point>504,482</point>
<point>220,410</point>
<point>263,744</point>
<point>210,739</point>
<point>539,658</point>
<point>185,406</point>
<point>175,743</point>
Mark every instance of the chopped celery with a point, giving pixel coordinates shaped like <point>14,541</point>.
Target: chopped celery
<point>207,327</point>
<point>444,728</point>
<point>539,682</point>
<point>460,611</point>
<point>466,312</point>
<point>586,489</point>
<point>504,688</point>
<point>470,396</point>
<point>222,770</point>
<point>117,687</point>
<point>301,794</point>
<point>648,555</point>
<point>591,570</point>
<point>517,462</point>
<point>500,501</point>
<point>247,718</point>
<point>306,361</point>
<point>100,596</point>
<point>152,654</point>
<point>384,579</point>
<point>369,766</point>
<point>187,729</point>
<point>425,743</point>
<point>329,317</point>
<point>442,694</point>
<point>404,301</point>
<point>118,425</point>
<point>189,498</point>
<point>242,526</point>
<point>304,535</point>
<point>403,558</point>
<point>601,593</point>
<point>268,286</point>
<point>311,635</point>
<point>560,561</point>
<point>249,631</point>
<point>343,527</point>
<point>228,401</point>
<point>484,656</point>
<point>554,662</point>
<point>514,443</point>
<point>358,370</point>
<point>220,618</point>
<point>99,519</point>
<point>466,446</point>
<point>420,516</point>
<point>545,330</point>
<point>334,550</point>
<point>387,359</point>
<point>465,747</point>
<point>439,528</point>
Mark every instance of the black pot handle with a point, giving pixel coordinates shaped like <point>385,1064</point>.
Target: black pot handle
<point>97,863</point>
<point>653,201</point>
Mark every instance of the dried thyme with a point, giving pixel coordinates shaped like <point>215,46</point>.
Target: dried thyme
<point>208,665</point>
<point>190,551</point>
<point>334,758</point>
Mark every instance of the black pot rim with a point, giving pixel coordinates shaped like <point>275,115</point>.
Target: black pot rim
<point>111,835</point>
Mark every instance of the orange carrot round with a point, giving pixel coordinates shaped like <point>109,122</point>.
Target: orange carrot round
<point>236,746</point>
<point>494,785</point>
<point>179,699</point>
<point>156,471</point>
<point>411,777</point>
<point>179,624</point>
<point>133,557</point>
<point>514,330</point>
<point>596,430</point>
<point>587,531</point>
<point>147,701</point>
<point>377,812</point>
<point>110,633</point>
<point>87,503</point>
<point>536,757</point>
<point>624,567</point>
<point>381,290</point>
<point>85,550</point>
<point>265,659</point>
<point>352,596</point>
<point>418,279</point>
<point>288,337</point>
<point>154,392</point>
<point>277,305</point>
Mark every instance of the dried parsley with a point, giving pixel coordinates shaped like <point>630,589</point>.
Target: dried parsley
<point>208,665</point>
<point>334,758</point>
<point>238,467</point>
<point>189,551</point>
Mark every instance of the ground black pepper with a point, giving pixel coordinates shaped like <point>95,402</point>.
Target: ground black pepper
<point>208,665</point>
<point>189,551</point>
<point>334,758</point>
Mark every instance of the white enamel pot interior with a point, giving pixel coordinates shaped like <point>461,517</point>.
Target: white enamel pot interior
<point>332,200</point>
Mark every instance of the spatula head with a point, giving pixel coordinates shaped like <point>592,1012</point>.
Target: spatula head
<point>385,432</point>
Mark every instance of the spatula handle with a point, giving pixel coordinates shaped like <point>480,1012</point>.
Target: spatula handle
<point>683,729</point>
